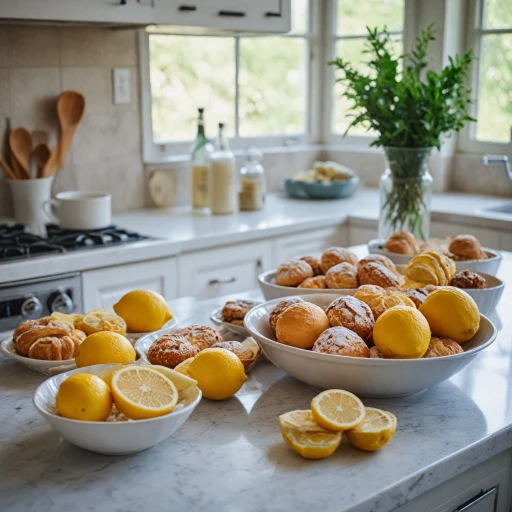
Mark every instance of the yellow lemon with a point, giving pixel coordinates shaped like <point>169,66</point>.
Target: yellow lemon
<point>104,347</point>
<point>85,397</point>
<point>451,313</point>
<point>98,321</point>
<point>66,319</point>
<point>219,373</point>
<point>402,332</point>
<point>141,392</point>
<point>375,431</point>
<point>337,410</point>
<point>143,310</point>
<point>184,366</point>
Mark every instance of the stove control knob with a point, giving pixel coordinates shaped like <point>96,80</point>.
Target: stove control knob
<point>31,308</point>
<point>61,302</point>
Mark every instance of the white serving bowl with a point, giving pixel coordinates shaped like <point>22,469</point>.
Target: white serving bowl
<point>490,266</point>
<point>110,438</point>
<point>487,298</point>
<point>134,336</point>
<point>380,378</point>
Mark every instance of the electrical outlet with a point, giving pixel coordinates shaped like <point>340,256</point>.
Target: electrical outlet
<point>122,86</point>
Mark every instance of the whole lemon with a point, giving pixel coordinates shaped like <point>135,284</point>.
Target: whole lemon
<point>219,373</point>
<point>143,310</point>
<point>104,347</point>
<point>85,397</point>
<point>402,332</point>
<point>452,313</point>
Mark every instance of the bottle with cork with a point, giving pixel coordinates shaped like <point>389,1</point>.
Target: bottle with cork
<point>200,155</point>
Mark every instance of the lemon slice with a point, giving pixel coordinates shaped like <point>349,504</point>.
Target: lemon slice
<point>184,366</point>
<point>98,321</point>
<point>337,410</point>
<point>107,374</point>
<point>375,431</point>
<point>180,380</point>
<point>62,317</point>
<point>141,392</point>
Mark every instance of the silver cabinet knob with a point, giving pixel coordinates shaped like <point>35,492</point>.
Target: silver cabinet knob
<point>31,308</point>
<point>61,302</point>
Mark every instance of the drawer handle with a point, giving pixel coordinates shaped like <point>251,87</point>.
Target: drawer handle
<point>235,14</point>
<point>271,14</point>
<point>187,8</point>
<point>213,282</point>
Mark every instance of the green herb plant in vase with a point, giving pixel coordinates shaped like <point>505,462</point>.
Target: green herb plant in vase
<point>411,109</point>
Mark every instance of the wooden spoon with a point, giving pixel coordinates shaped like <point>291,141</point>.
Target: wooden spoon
<point>41,156</point>
<point>7,169</point>
<point>20,142</point>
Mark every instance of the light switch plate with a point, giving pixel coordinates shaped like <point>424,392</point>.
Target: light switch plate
<point>122,86</point>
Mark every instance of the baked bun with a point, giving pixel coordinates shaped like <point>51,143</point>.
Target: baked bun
<point>301,324</point>
<point>380,259</point>
<point>375,353</point>
<point>388,301</point>
<point>33,330</point>
<point>468,279</point>
<point>202,336</point>
<point>315,264</point>
<point>352,313</point>
<point>467,247</point>
<point>342,276</point>
<point>377,274</point>
<point>418,295</point>
<point>429,268</point>
<point>340,341</point>
<point>236,347</point>
<point>439,347</point>
<point>279,310</point>
<point>402,242</point>
<point>368,292</point>
<point>314,282</point>
<point>335,255</point>
<point>53,348</point>
<point>293,272</point>
<point>171,350</point>
<point>234,311</point>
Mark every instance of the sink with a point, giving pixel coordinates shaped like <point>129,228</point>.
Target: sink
<point>504,208</point>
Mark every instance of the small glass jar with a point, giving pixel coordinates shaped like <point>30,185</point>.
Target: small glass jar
<point>252,182</point>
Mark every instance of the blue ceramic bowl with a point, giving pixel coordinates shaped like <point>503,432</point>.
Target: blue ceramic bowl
<point>321,189</point>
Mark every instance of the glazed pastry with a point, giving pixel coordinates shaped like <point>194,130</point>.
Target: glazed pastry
<point>280,308</point>
<point>335,255</point>
<point>468,279</point>
<point>342,276</point>
<point>439,347</point>
<point>236,347</point>
<point>314,282</point>
<point>375,353</point>
<point>53,348</point>
<point>202,336</point>
<point>315,264</point>
<point>340,341</point>
<point>387,301</point>
<point>301,324</point>
<point>171,350</point>
<point>418,295</point>
<point>352,313</point>
<point>234,311</point>
<point>467,247</point>
<point>293,272</point>
<point>368,292</point>
<point>402,242</point>
<point>380,259</point>
<point>377,274</point>
<point>29,332</point>
<point>429,268</point>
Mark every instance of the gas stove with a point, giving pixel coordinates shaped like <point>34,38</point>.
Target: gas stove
<point>16,244</point>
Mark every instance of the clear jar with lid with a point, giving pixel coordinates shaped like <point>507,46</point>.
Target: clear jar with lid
<point>252,181</point>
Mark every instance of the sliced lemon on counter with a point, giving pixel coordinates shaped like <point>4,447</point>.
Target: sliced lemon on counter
<point>184,366</point>
<point>141,392</point>
<point>337,410</point>
<point>375,431</point>
<point>98,321</point>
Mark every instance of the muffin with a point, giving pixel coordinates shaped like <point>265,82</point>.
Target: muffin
<point>171,350</point>
<point>342,276</point>
<point>340,341</point>
<point>293,272</point>
<point>202,336</point>
<point>280,308</point>
<point>467,247</point>
<point>377,258</point>
<point>314,282</point>
<point>335,255</point>
<point>439,347</point>
<point>315,264</point>
<point>402,242</point>
<point>234,311</point>
<point>468,279</point>
<point>377,274</point>
<point>352,313</point>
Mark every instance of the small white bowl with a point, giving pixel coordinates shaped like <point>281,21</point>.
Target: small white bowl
<point>380,378</point>
<point>110,438</point>
<point>487,298</point>
<point>134,336</point>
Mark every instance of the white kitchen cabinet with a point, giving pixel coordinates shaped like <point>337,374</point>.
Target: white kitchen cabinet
<point>221,271</point>
<point>358,235</point>
<point>102,288</point>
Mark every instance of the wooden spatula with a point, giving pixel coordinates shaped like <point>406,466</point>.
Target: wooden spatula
<point>41,156</point>
<point>7,169</point>
<point>20,142</point>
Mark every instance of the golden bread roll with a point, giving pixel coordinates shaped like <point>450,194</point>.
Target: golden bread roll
<point>368,292</point>
<point>234,311</point>
<point>377,274</point>
<point>279,309</point>
<point>29,332</point>
<point>352,313</point>
<point>402,242</point>
<point>340,341</point>
<point>202,336</point>
<point>293,272</point>
<point>375,353</point>
<point>315,264</point>
<point>440,347</point>
<point>171,350</point>
<point>468,247</point>
<point>335,255</point>
<point>342,276</point>
<point>236,347</point>
<point>388,301</point>
<point>430,268</point>
<point>301,324</point>
<point>53,348</point>
<point>469,280</point>
<point>417,295</point>
<point>314,282</point>
<point>377,258</point>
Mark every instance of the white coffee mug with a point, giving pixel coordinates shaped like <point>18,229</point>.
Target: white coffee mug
<point>80,210</point>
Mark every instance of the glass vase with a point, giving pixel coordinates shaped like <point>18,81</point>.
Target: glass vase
<point>406,192</point>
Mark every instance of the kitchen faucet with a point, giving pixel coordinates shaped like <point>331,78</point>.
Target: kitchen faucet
<point>498,159</point>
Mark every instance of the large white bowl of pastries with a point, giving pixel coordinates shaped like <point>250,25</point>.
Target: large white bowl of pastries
<point>380,378</point>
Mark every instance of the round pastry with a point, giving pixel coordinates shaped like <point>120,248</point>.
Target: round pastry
<point>301,324</point>
<point>53,348</point>
<point>375,353</point>
<point>377,258</point>
<point>402,242</point>
<point>375,273</point>
<point>314,282</point>
<point>202,336</point>
<point>29,332</point>
<point>335,255</point>
<point>236,347</point>
<point>439,347</point>
<point>468,247</point>
<point>352,313</point>
<point>171,350</point>
<point>293,272</point>
<point>340,341</point>
<point>315,264</point>
<point>368,292</point>
<point>234,311</point>
<point>468,279</point>
<point>279,310</point>
<point>342,276</point>
<point>388,301</point>
<point>417,296</point>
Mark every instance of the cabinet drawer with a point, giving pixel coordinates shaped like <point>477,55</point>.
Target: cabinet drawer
<point>211,273</point>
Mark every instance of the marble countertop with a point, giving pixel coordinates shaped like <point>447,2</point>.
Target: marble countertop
<point>230,455</point>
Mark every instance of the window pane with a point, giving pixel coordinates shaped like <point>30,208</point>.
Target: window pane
<point>272,81</point>
<point>498,14</point>
<point>186,73</point>
<point>495,95</point>
<point>300,16</point>
<point>354,15</point>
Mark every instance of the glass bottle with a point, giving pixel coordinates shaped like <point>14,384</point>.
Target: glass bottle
<point>222,182</point>
<point>252,181</point>
<point>200,154</point>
